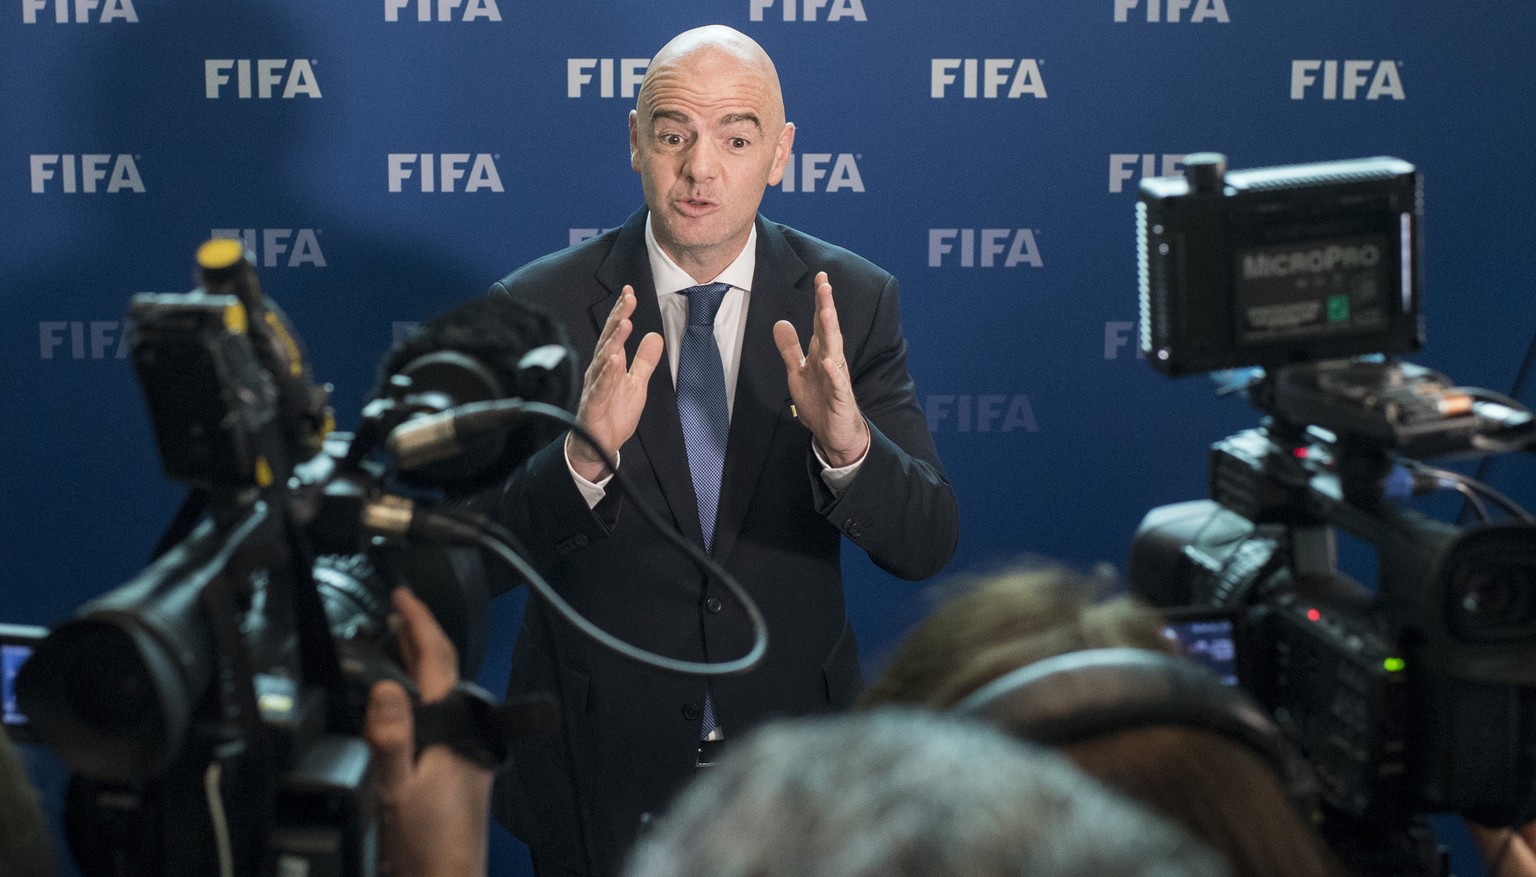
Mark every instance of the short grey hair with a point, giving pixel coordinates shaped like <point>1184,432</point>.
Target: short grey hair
<point>906,793</point>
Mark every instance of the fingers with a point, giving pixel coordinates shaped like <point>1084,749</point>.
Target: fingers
<point>610,344</point>
<point>429,655</point>
<point>787,340</point>
<point>1528,834</point>
<point>390,731</point>
<point>646,358</point>
<point>618,317</point>
<point>836,371</point>
<point>828,331</point>
<point>823,291</point>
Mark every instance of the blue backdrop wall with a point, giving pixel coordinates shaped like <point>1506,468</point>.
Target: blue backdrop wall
<point>385,159</point>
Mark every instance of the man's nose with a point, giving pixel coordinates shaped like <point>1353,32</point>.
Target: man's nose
<point>702,161</point>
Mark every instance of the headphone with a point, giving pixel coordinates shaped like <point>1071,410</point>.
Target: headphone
<point>1080,695</point>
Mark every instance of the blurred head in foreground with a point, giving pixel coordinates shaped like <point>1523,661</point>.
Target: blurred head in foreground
<point>1240,799</point>
<point>903,793</point>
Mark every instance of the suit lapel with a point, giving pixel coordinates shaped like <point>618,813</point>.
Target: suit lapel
<point>762,390</point>
<point>659,432</point>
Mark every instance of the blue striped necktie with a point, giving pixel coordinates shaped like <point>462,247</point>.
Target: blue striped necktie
<point>706,420</point>
<point>701,406</point>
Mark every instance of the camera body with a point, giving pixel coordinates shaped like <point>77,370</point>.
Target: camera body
<point>1412,696</point>
<point>210,709</point>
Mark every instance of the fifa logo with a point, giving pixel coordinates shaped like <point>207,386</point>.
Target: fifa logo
<point>86,339</point>
<point>1172,11</point>
<point>260,78</point>
<point>443,172</point>
<point>986,77</point>
<point>270,246</point>
<point>83,173</point>
<point>580,72</point>
<point>840,172</point>
<point>809,10</point>
<point>982,412</point>
<point>1343,80</point>
<point>80,11</point>
<point>1127,166</point>
<point>983,246</point>
<point>443,10</point>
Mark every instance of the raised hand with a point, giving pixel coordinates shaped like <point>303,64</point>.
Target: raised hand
<point>820,384</point>
<point>613,391</point>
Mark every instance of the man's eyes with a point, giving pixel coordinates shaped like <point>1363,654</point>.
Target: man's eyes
<point>675,139</point>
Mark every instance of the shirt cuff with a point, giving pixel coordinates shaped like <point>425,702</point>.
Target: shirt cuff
<point>837,479</point>
<point>591,491</point>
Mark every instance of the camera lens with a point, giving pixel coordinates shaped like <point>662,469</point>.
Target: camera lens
<point>108,691</point>
<point>1494,600</point>
<point>107,698</point>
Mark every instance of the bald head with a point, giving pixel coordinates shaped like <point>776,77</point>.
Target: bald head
<point>718,46</point>
<point>707,136</point>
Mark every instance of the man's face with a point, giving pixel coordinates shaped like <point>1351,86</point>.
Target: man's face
<point>707,137</point>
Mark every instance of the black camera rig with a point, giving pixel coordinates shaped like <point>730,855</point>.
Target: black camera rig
<point>1416,695</point>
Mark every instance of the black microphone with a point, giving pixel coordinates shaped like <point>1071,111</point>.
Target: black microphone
<point>459,384</point>
<point>474,433</point>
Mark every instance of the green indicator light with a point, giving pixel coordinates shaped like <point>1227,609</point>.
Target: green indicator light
<point>1338,309</point>
<point>1394,665</point>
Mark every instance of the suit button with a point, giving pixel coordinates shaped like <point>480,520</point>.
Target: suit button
<point>853,528</point>
<point>712,605</point>
<point>580,540</point>
<point>692,712</point>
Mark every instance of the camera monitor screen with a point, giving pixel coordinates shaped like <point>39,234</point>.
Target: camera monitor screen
<point>16,643</point>
<point>1206,636</point>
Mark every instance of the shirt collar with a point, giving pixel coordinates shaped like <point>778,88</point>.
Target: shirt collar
<point>669,278</point>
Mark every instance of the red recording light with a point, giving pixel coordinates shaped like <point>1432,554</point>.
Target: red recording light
<point>1314,615</point>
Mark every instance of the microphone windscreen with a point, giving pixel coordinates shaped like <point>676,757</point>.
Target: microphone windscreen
<point>478,351</point>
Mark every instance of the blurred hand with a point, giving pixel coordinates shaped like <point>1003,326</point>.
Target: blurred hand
<point>433,810</point>
<point>1507,852</point>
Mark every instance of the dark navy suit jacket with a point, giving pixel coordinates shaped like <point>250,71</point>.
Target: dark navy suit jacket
<point>629,734</point>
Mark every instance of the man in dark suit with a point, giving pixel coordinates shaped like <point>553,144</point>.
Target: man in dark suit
<point>822,442</point>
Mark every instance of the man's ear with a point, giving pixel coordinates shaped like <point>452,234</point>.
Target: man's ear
<point>781,153</point>
<point>634,140</point>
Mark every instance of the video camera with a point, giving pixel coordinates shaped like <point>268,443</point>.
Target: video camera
<point>1418,695</point>
<point>210,710</point>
